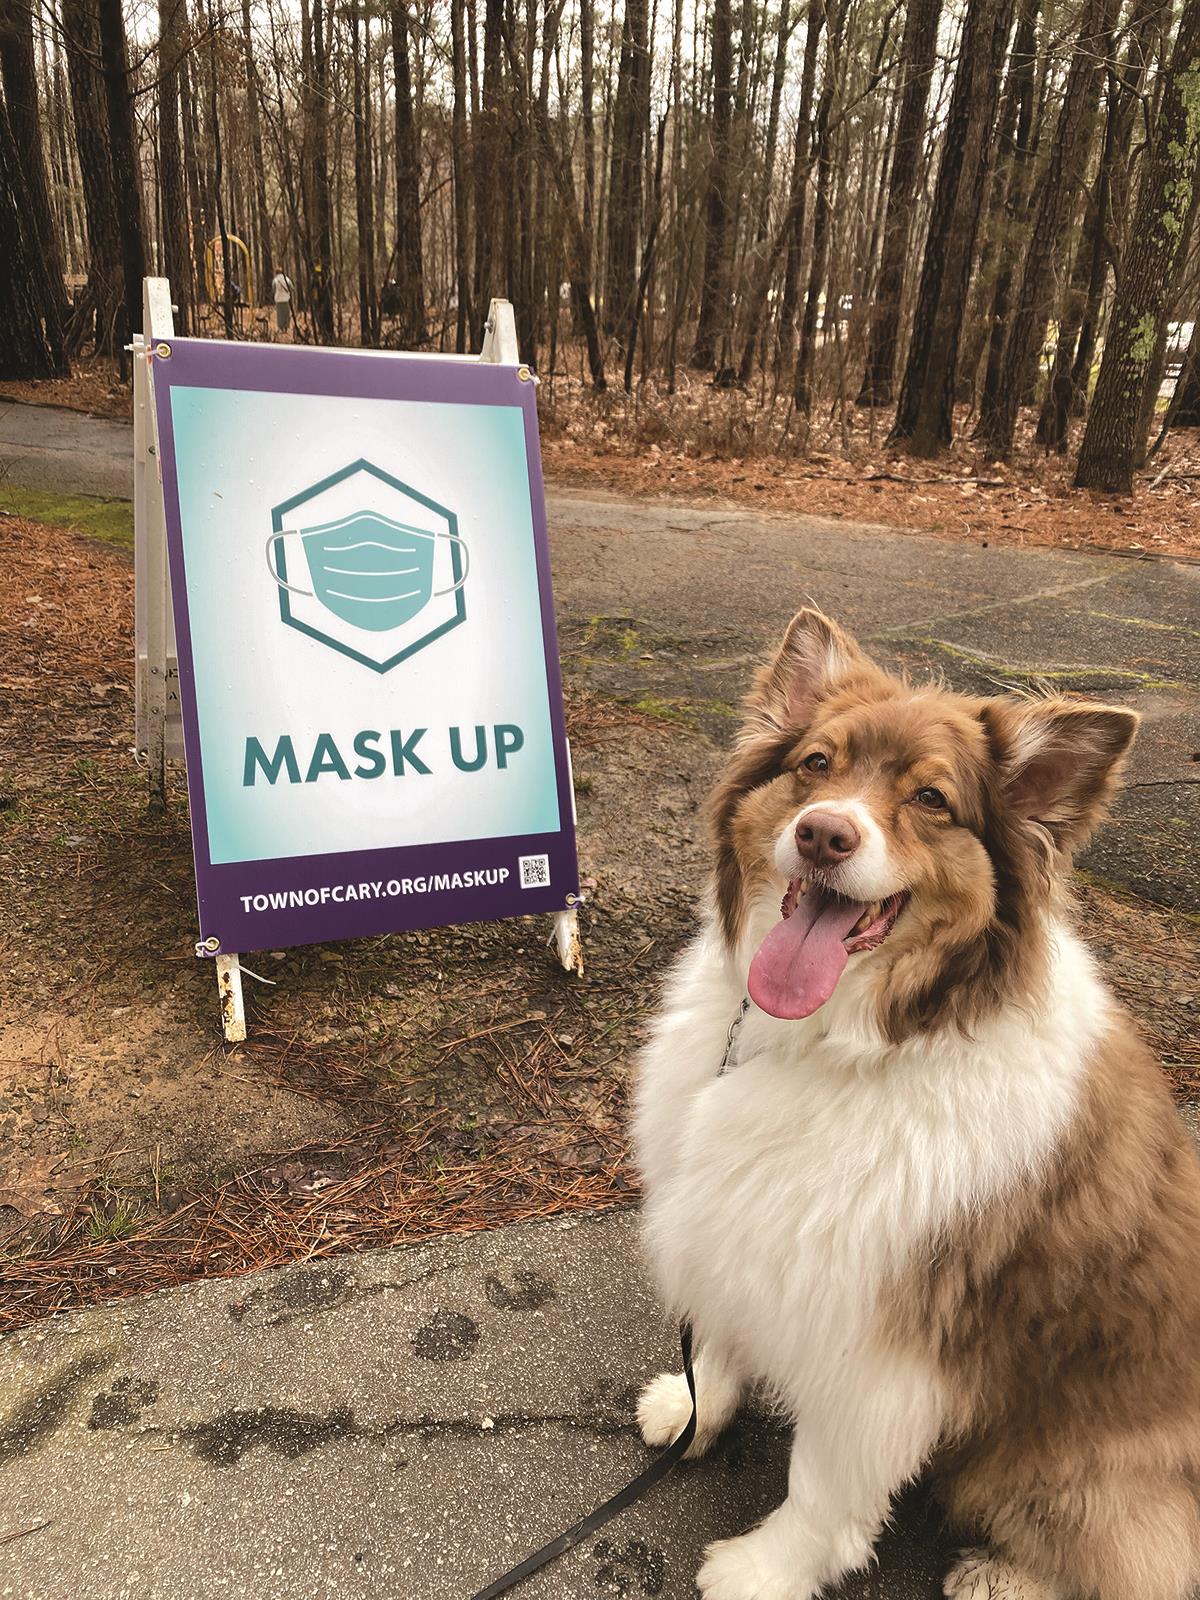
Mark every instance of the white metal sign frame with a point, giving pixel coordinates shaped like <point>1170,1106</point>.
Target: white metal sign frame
<point>159,735</point>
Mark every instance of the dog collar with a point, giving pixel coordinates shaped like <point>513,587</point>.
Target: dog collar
<point>729,1059</point>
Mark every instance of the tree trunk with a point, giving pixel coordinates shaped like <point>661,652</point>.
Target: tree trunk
<point>409,255</point>
<point>104,292</point>
<point>1115,435</point>
<point>712,329</point>
<point>123,147</point>
<point>458,155</point>
<point>917,57</point>
<point>625,171</point>
<point>364,200</point>
<point>797,190</point>
<point>1185,402</point>
<point>27,348</point>
<point>492,164</point>
<point>260,292</point>
<point>587,24</point>
<point>577,254</point>
<point>806,347</point>
<point>1010,222</point>
<point>924,415</point>
<point>318,135</point>
<point>1065,176</point>
<point>190,109</point>
<point>1087,282</point>
<point>172,36</point>
<point>19,75</point>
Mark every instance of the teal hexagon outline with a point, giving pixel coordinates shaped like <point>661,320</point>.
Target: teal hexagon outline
<point>285,611</point>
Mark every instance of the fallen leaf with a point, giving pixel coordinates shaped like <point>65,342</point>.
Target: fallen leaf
<point>26,1189</point>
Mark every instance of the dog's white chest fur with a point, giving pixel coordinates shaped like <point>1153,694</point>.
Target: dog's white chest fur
<point>784,1197</point>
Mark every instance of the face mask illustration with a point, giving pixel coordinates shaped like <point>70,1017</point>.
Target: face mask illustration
<point>368,570</point>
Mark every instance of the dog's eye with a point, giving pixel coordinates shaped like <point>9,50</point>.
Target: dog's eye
<point>932,800</point>
<point>817,762</point>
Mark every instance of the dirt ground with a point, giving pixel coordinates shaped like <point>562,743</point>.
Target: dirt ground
<point>391,1088</point>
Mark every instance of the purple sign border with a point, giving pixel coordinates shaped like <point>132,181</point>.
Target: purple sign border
<point>226,892</point>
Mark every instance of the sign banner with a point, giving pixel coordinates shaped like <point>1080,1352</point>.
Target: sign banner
<point>368,668</point>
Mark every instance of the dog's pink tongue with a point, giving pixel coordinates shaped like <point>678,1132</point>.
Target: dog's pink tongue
<point>798,964</point>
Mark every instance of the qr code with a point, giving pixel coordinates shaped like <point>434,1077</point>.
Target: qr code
<point>535,871</point>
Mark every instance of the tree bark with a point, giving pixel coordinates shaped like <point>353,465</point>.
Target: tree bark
<point>123,148</point>
<point>917,57</point>
<point>459,174</point>
<point>806,346</point>
<point>409,254</point>
<point>364,199</point>
<point>797,190</point>
<point>1061,183</point>
<point>1184,410</point>
<point>1115,434</point>
<point>625,171</point>
<point>924,415</point>
<point>262,215</point>
<point>317,130</point>
<point>172,36</point>
<point>18,73</point>
<point>712,329</point>
<point>28,348</point>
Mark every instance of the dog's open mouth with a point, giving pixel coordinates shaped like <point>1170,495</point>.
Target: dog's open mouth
<point>798,964</point>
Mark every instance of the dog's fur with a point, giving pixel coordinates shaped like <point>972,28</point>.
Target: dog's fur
<point>949,1220</point>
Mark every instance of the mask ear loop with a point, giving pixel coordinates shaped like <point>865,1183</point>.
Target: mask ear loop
<point>292,588</point>
<point>466,555</point>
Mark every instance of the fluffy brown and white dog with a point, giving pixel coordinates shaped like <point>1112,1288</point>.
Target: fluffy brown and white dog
<point>940,1205</point>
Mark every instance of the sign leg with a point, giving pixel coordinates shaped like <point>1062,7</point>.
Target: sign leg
<point>568,942</point>
<point>233,1013</point>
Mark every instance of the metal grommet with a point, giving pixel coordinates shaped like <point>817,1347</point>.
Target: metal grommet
<point>574,900</point>
<point>208,947</point>
<point>524,374</point>
<point>162,351</point>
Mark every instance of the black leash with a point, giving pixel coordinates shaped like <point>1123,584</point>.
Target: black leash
<point>624,1497</point>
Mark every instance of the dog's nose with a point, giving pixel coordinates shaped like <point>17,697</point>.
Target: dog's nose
<point>825,838</point>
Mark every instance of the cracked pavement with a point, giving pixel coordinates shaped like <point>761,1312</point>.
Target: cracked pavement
<point>407,1423</point>
<point>678,606</point>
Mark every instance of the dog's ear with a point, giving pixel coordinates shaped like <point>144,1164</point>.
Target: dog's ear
<point>814,656</point>
<point>1060,760</point>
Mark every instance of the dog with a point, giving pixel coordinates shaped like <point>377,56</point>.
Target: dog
<point>930,1193</point>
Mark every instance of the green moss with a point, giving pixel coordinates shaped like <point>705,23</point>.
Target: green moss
<point>651,705</point>
<point>1142,339</point>
<point>1144,622</point>
<point>110,521</point>
<point>1035,675</point>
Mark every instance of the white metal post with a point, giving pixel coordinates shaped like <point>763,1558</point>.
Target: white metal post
<point>500,346</point>
<point>153,591</point>
<point>233,1013</point>
<point>158,329</point>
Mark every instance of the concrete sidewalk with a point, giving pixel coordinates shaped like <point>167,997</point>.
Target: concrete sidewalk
<point>407,1424</point>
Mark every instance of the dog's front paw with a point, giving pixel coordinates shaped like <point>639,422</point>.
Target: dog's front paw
<point>735,1569</point>
<point>979,1575</point>
<point>664,1407</point>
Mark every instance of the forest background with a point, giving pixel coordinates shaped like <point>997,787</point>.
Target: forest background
<point>731,229</point>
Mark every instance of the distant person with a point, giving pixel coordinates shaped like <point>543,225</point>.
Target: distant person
<point>282,289</point>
